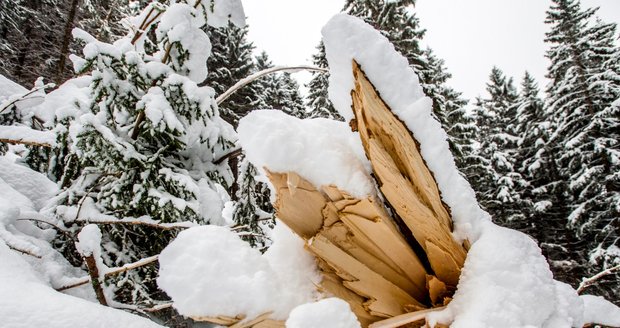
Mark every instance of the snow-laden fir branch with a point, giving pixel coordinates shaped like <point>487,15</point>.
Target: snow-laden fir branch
<point>259,74</point>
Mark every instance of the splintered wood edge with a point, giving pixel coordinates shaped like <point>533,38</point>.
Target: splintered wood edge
<point>427,185</point>
<point>404,319</point>
<point>364,282</point>
<point>365,95</point>
<point>218,320</point>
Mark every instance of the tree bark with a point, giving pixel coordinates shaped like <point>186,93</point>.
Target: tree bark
<point>66,40</point>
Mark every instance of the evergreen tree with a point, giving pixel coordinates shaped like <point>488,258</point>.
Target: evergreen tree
<point>532,128</point>
<point>231,62</point>
<point>278,91</point>
<point>583,144</point>
<point>495,177</point>
<point>148,141</point>
<point>253,211</point>
<point>449,109</point>
<point>35,35</point>
<point>318,100</point>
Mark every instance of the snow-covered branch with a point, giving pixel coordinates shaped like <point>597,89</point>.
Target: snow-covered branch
<point>24,135</point>
<point>259,74</point>
<point>150,223</point>
<point>587,282</point>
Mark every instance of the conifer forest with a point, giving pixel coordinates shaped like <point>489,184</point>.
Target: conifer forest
<point>156,169</point>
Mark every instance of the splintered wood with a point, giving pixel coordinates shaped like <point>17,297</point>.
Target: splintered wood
<point>392,258</point>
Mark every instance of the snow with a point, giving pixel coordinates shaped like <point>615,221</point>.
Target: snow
<point>225,10</point>
<point>9,88</point>
<point>601,311</point>
<point>326,313</point>
<point>89,241</point>
<point>28,302</point>
<point>322,151</point>
<point>506,282</point>
<point>28,299</point>
<point>33,185</point>
<point>210,271</point>
<point>182,23</point>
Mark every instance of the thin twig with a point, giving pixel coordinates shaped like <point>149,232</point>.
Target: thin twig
<point>22,251</point>
<point>234,153</point>
<point>22,97</point>
<point>63,231</point>
<point>587,282</point>
<point>113,271</point>
<point>157,308</point>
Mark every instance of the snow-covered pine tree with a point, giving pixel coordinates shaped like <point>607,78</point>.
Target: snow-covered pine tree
<point>253,212</point>
<point>318,101</point>
<point>148,142</point>
<point>278,91</point>
<point>232,61</point>
<point>11,13</point>
<point>532,128</point>
<point>35,35</point>
<point>583,144</point>
<point>495,177</point>
<point>449,109</point>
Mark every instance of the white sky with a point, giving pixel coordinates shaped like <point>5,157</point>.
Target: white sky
<point>471,36</point>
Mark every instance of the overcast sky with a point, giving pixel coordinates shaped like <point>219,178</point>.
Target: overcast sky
<point>471,36</point>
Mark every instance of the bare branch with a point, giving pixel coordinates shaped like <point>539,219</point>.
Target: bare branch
<point>262,73</point>
<point>235,153</point>
<point>157,308</point>
<point>587,282</point>
<point>113,271</point>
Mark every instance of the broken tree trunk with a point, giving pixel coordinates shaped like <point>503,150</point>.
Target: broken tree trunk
<point>383,265</point>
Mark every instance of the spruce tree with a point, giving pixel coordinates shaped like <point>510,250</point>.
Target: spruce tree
<point>532,128</point>
<point>278,91</point>
<point>318,101</point>
<point>148,142</point>
<point>583,144</point>
<point>253,212</point>
<point>231,62</point>
<point>495,177</point>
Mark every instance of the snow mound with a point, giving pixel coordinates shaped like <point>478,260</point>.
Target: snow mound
<point>27,302</point>
<point>322,151</point>
<point>9,88</point>
<point>326,313</point>
<point>210,271</point>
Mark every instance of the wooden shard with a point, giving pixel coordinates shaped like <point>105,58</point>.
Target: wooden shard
<point>405,180</point>
<point>391,257</point>
<point>385,298</point>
